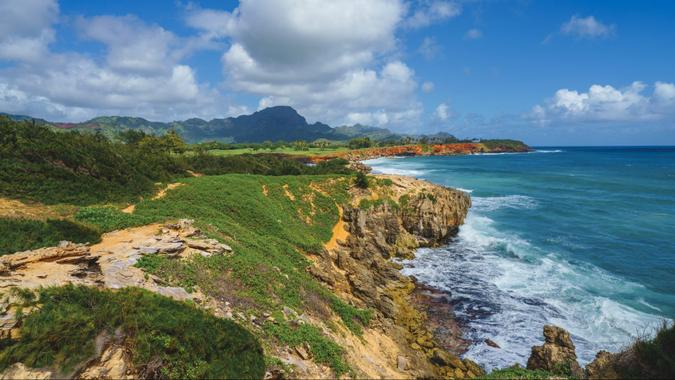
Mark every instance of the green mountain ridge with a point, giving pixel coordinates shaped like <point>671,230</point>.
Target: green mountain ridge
<point>273,124</point>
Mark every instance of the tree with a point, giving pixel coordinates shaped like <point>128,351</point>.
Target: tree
<point>301,145</point>
<point>360,142</point>
<point>361,180</point>
<point>321,144</point>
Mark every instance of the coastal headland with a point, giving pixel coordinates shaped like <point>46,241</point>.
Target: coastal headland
<point>243,266</point>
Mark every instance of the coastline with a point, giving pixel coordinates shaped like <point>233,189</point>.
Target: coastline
<point>589,343</point>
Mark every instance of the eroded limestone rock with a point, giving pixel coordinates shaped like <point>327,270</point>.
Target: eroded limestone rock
<point>557,354</point>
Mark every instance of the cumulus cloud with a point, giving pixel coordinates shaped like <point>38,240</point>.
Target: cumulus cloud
<point>604,103</point>
<point>442,112</point>
<point>473,34</point>
<point>141,76</point>
<point>586,27</point>
<point>427,87</point>
<point>132,45</point>
<point>429,48</point>
<point>26,28</point>
<point>334,61</point>
<point>428,12</point>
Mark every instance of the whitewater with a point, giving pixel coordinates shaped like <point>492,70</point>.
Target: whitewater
<point>576,237</point>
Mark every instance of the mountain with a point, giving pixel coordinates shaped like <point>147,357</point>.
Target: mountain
<point>274,124</point>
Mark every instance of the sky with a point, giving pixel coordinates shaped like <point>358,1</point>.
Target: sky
<point>547,72</point>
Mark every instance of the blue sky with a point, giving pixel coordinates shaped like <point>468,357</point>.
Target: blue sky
<point>550,73</point>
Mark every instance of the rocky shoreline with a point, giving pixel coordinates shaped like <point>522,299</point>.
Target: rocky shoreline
<point>420,150</point>
<point>413,332</point>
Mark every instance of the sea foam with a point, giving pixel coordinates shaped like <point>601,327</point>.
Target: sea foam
<point>505,289</point>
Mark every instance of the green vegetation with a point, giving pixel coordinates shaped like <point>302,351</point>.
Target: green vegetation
<point>359,143</point>
<point>361,180</point>
<point>265,164</point>
<point>310,151</point>
<point>518,372</point>
<point>108,218</point>
<point>269,222</point>
<point>24,234</point>
<point>504,145</point>
<point>323,350</point>
<point>166,338</point>
<point>366,203</point>
<point>39,164</point>
<point>655,357</point>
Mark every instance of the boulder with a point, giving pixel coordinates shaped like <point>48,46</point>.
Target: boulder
<point>557,354</point>
<point>20,371</point>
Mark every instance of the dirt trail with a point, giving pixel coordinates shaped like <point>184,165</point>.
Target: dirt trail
<point>161,194</point>
<point>339,232</point>
<point>288,193</point>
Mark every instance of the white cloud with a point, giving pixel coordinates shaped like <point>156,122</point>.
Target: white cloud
<point>604,103</point>
<point>25,28</point>
<point>429,48</point>
<point>442,112</point>
<point>132,45</point>
<point>329,60</point>
<point>141,76</point>
<point>428,87</point>
<point>473,34</point>
<point>428,12</point>
<point>664,92</point>
<point>586,27</point>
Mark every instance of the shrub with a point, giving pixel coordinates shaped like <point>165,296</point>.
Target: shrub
<point>108,218</point>
<point>361,180</point>
<point>167,338</point>
<point>24,234</point>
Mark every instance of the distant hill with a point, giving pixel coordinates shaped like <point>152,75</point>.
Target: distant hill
<point>274,124</point>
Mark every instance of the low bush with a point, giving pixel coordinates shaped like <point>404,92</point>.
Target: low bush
<point>108,218</point>
<point>166,338</point>
<point>25,234</point>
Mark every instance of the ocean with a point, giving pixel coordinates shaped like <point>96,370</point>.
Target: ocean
<point>583,238</point>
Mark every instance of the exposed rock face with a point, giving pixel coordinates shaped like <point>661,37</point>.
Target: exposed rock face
<point>557,354</point>
<point>398,218</point>
<point>114,363</point>
<point>602,367</point>
<point>20,371</point>
<point>108,264</point>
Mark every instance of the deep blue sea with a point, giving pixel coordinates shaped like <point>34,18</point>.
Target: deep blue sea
<point>583,238</point>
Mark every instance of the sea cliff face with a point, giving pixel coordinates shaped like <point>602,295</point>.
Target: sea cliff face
<point>391,219</point>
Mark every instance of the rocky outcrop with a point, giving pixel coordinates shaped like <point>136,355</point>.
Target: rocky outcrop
<point>391,220</point>
<point>20,371</point>
<point>557,354</point>
<point>109,264</point>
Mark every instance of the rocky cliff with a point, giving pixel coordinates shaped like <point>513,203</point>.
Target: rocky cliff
<point>391,219</point>
<point>423,150</point>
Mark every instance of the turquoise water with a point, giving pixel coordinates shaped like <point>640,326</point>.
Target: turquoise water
<point>580,237</point>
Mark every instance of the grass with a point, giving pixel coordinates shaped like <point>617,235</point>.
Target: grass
<point>109,218</point>
<point>25,234</point>
<point>285,150</point>
<point>323,350</point>
<point>272,223</point>
<point>518,372</point>
<point>269,234</point>
<point>166,338</point>
<point>656,354</point>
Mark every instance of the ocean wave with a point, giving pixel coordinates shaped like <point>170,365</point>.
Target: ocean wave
<point>464,190</point>
<point>547,151</point>
<point>509,201</point>
<point>505,289</point>
<point>399,171</point>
